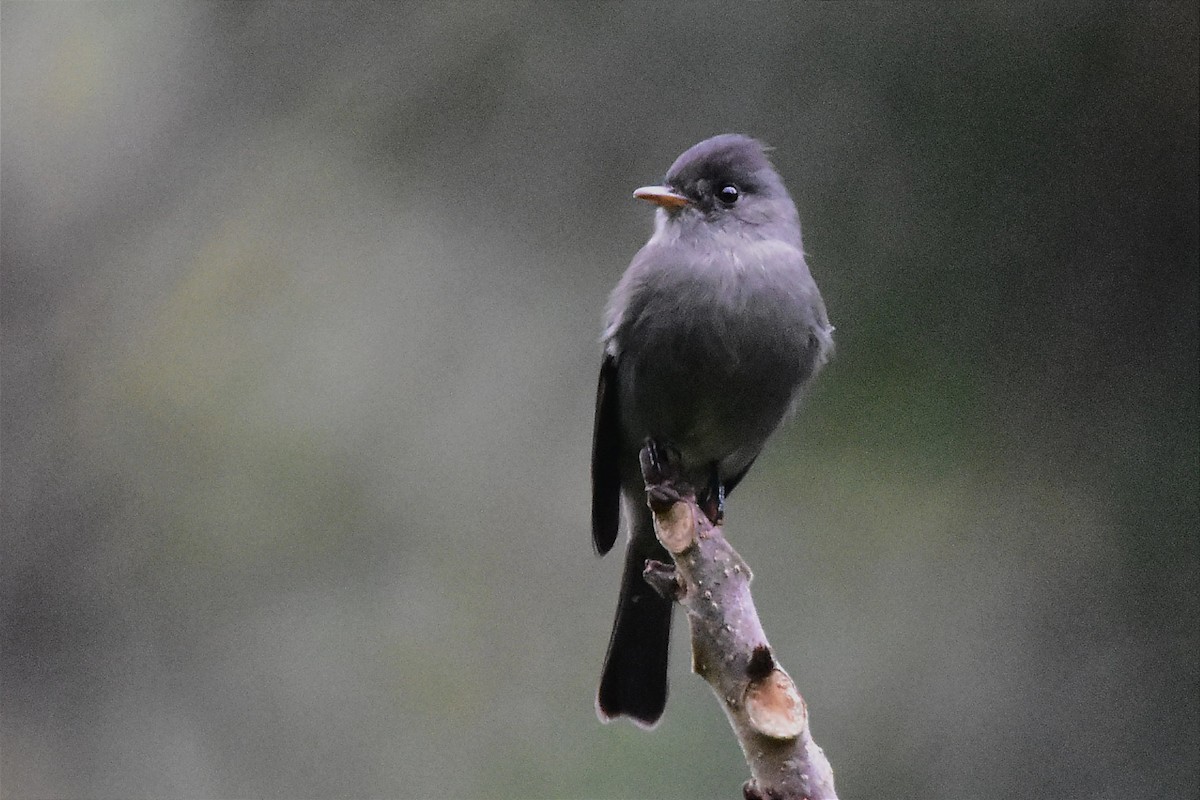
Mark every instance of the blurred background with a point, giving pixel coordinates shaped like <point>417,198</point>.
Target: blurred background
<point>300,317</point>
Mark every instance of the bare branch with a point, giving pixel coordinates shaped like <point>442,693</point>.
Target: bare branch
<point>729,648</point>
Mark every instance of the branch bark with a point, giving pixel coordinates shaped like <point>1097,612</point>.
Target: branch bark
<point>729,648</point>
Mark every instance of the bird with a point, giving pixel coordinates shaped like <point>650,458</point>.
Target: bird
<point>709,338</point>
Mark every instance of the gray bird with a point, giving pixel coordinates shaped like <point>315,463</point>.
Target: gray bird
<point>708,339</point>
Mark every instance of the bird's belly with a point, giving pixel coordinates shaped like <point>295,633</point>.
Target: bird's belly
<point>714,395</point>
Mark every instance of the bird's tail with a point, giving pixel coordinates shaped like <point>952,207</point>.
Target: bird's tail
<point>634,681</point>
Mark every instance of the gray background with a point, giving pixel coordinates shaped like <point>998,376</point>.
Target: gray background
<point>300,307</point>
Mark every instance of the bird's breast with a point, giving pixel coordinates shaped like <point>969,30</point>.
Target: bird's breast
<point>714,354</point>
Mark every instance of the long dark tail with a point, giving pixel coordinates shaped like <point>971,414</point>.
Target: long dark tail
<point>634,681</point>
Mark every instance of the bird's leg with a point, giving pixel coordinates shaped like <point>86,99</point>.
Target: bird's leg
<point>712,501</point>
<point>661,470</point>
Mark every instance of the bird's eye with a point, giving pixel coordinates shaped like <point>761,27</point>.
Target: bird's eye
<point>728,194</point>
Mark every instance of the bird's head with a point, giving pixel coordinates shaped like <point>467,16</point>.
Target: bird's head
<point>724,185</point>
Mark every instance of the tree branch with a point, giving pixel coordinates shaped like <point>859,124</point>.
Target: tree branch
<point>729,648</point>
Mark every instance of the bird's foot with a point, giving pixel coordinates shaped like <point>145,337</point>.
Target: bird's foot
<point>661,470</point>
<point>712,499</point>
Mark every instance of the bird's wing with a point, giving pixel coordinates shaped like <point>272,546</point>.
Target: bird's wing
<point>731,482</point>
<point>606,454</point>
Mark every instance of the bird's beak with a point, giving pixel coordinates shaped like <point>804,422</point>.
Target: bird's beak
<point>662,196</point>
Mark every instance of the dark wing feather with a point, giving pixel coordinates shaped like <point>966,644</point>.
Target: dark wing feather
<point>606,454</point>
<point>732,481</point>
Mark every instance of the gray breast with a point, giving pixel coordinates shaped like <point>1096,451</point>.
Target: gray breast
<point>711,358</point>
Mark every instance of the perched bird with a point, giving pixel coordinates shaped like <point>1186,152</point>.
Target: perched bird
<point>709,337</point>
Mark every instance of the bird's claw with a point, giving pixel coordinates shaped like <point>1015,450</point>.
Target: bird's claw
<point>712,501</point>
<point>661,472</point>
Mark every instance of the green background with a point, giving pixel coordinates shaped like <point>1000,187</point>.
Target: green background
<point>300,317</point>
